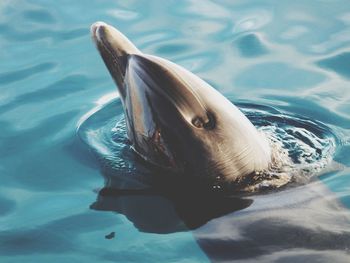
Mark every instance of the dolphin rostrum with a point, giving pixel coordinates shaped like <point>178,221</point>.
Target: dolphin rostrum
<point>177,121</point>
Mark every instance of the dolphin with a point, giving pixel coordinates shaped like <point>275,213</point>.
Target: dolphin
<point>178,122</point>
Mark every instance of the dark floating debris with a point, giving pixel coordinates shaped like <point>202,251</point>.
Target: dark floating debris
<point>110,235</point>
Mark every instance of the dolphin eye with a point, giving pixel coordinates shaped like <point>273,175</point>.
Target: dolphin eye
<point>199,123</point>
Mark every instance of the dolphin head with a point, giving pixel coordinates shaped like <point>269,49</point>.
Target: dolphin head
<point>177,121</point>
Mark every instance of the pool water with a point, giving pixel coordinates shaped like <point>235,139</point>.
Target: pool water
<point>66,166</point>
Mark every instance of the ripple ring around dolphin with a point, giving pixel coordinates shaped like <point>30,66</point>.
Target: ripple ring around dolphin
<point>304,147</point>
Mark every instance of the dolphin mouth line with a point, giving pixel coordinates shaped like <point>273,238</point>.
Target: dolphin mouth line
<point>100,40</point>
<point>116,62</point>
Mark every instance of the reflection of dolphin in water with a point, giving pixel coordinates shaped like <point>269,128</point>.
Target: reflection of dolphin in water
<point>177,121</point>
<point>302,224</point>
<point>166,208</point>
<point>306,223</point>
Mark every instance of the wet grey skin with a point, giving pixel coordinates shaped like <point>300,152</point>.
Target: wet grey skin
<point>177,121</point>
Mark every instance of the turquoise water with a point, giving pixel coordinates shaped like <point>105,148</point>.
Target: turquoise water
<point>284,64</point>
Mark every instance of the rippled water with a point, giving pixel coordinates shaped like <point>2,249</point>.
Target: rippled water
<point>286,65</point>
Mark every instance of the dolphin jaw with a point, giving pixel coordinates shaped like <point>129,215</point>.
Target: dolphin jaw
<point>115,50</point>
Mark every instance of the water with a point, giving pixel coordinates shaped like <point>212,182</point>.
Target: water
<point>286,66</point>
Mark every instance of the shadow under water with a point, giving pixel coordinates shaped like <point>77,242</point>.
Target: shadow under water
<point>168,208</point>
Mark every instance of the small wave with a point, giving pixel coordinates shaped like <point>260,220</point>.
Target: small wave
<point>301,148</point>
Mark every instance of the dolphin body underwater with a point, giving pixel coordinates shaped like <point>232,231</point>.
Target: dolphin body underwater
<point>177,121</point>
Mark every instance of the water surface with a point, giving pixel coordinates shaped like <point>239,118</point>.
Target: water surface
<point>279,60</point>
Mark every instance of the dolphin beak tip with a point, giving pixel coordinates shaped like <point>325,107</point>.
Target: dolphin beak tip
<point>95,27</point>
<point>104,34</point>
